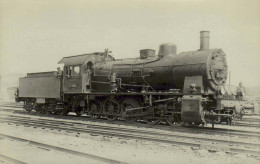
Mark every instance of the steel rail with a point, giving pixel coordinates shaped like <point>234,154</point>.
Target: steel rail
<point>140,137</point>
<point>186,136</point>
<point>106,160</point>
<point>182,136</point>
<point>253,120</point>
<point>197,129</point>
<point>11,160</point>
<point>187,129</point>
<point>247,124</point>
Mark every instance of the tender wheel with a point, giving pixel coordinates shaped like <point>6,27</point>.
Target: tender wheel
<point>43,109</point>
<point>111,108</point>
<point>95,109</point>
<point>129,103</point>
<point>28,106</point>
<point>61,109</point>
<point>49,109</point>
<point>64,112</point>
<point>151,120</point>
<point>38,108</point>
<point>78,113</point>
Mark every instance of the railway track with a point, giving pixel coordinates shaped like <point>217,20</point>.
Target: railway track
<point>170,138</point>
<point>197,130</point>
<point>6,159</point>
<point>219,131</point>
<point>177,128</point>
<point>14,105</point>
<point>236,122</point>
<point>20,105</point>
<point>251,119</point>
<point>247,124</point>
<point>56,148</point>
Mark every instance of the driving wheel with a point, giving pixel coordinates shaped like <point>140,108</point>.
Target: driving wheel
<point>129,103</point>
<point>111,108</point>
<point>95,109</point>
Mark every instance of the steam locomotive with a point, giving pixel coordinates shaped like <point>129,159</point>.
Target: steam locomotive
<point>187,88</point>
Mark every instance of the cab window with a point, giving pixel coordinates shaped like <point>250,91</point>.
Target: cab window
<point>68,70</point>
<point>73,70</point>
<point>76,70</point>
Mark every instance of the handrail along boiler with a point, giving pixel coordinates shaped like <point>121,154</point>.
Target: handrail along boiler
<point>185,88</point>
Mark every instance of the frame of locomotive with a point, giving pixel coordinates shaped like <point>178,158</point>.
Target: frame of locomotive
<point>187,88</point>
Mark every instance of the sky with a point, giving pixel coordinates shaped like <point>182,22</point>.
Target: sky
<point>36,34</point>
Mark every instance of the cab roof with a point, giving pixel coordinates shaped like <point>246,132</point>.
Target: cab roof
<point>79,59</point>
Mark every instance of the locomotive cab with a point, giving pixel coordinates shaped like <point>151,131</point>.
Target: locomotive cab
<point>74,74</point>
<point>87,70</point>
<point>72,78</point>
<point>78,71</point>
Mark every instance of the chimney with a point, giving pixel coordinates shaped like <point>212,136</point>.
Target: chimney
<point>204,40</point>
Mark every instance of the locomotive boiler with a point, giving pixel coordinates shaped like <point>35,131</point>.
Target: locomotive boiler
<point>187,88</point>
<point>167,70</point>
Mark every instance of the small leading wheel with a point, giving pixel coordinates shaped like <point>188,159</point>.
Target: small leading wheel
<point>189,124</point>
<point>151,120</point>
<point>129,103</point>
<point>230,121</point>
<point>111,108</point>
<point>173,119</point>
<point>195,124</point>
<point>170,120</point>
<point>95,108</point>
<point>173,113</point>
